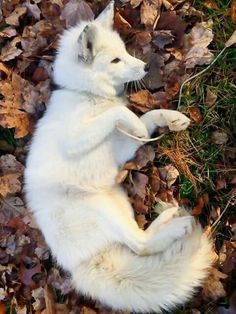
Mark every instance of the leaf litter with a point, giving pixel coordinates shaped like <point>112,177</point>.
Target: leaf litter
<point>174,37</point>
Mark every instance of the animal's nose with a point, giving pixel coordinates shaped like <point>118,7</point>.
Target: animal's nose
<point>147,67</point>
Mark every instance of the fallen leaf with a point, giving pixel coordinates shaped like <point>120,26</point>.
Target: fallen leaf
<point>33,9</point>
<point>195,114</point>
<point>135,3</point>
<point>211,98</point>
<point>211,4</point>
<point>233,11</point>
<point>144,100</point>
<point>29,268</point>
<point>139,182</point>
<point>213,288</point>
<point>76,11</point>
<point>13,18</point>
<point>2,307</point>
<point>138,205</point>
<point>154,180</point>
<point>144,155</point>
<point>122,26</point>
<point>122,175</point>
<point>141,221</point>
<point>219,137</point>
<point>168,174</point>
<point>10,50</point>
<point>196,43</point>
<point>143,38</point>
<point>9,164</point>
<point>202,201</point>
<point>8,32</point>
<point>15,119</point>
<point>162,38</point>
<point>150,12</point>
<point>10,184</point>
<point>87,310</point>
<point>153,80</point>
<point>220,184</point>
<point>170,21</point>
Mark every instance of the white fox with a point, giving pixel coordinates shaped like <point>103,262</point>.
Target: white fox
<point>70,179</point>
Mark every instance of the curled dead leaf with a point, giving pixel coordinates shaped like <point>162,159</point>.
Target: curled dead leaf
<point>211,98</point>
<point>16,119</point>
<point>233,11</point>
<point>150,12</point>
<point>219,137</point>
<point>10,50</point>
<point>13,18</point>
<point>10,184</point>
<point>196,43</point>
<point>168,174</point>
<point>211,4</point>
<point>195,114</point>
<point>213,288</point>
<point>76,11</point>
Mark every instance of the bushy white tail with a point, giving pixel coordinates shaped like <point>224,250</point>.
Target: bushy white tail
<point>125,281</point>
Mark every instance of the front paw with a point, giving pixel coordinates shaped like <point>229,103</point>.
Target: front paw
<point>140,132</point>
<point>175,120</point>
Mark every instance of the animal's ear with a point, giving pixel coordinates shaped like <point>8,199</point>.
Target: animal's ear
<point>86,44</point>
<point>106,17</point>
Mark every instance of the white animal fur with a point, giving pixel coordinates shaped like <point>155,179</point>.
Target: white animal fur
<point>71,187</point>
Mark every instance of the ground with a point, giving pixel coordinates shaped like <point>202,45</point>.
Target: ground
<point>197,166</point>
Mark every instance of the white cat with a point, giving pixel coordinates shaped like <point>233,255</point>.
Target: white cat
<point>70,179</point>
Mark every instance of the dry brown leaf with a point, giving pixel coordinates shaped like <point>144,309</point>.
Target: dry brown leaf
<point>211,4</point>
<point>162,38</point>
<point>202,201</point>
<point>139,182</point>
<point>5,70</point>
<point>219,137</point>
<point>9,164</point>
<point>141,221</point>
<point>135,3</point>
<point>13,18</point>
<point>195,114</point>
<point>87,310</point>
<point>196,43</point>
<point>150,12</point>
<point>210,98</point>
<point>122,175</point>
<point>76,11</point>
<point>144,99</point>
<point>33,9</point>
<point>168,174</point>
<point>154,78</point>
<point>122,26</point>
<point>213,288</point>
<point>2,306</point>
<point>233,11</point>
<point>143,38</point>
<point>10,50</point>
<point>8,32</point>
<point>170,21</point>
<point>10,184</point>
<point>15,119</point>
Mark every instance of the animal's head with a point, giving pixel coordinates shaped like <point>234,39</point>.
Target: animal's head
<point>92,57</point>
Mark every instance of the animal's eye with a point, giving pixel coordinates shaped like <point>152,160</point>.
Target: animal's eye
<point>116,60</point>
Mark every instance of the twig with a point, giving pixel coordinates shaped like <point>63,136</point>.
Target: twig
<point>146,140</point>
<point>223,212</point>
<point>198,74</point>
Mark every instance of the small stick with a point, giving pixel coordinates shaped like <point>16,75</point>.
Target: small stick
<point>146,140</point>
